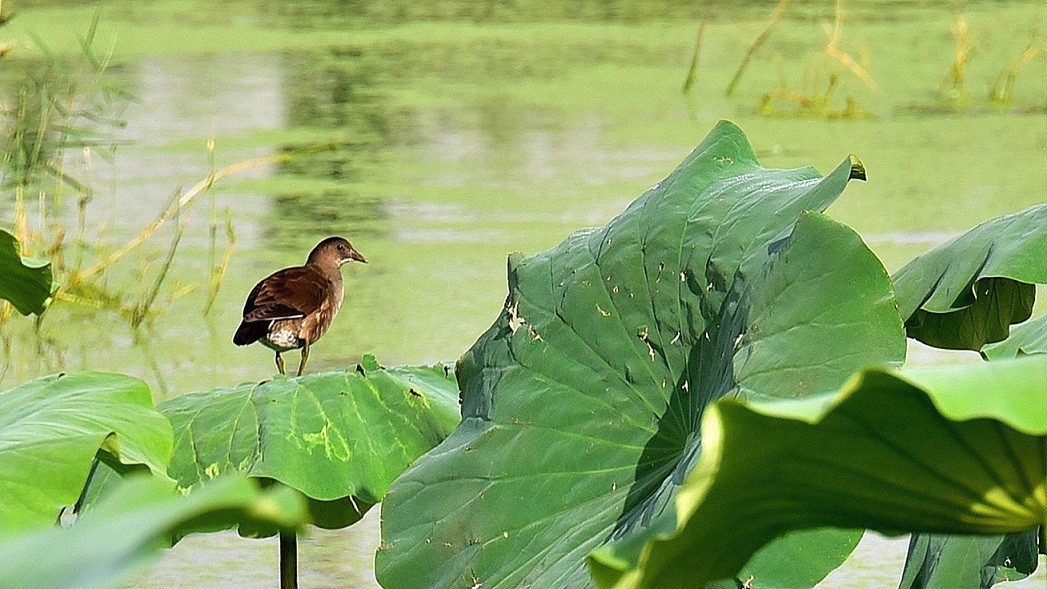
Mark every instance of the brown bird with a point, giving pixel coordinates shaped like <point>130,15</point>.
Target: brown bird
<point>292,308</point>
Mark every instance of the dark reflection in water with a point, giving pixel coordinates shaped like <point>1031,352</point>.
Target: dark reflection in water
<point>335,212</point>
<point>321,12</point>
<point>339,88</point>
<point>338,98</point>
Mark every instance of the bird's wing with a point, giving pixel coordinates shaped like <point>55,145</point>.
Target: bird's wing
<point>291,293</point>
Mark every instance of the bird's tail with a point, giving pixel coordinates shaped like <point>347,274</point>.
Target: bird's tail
<point>250,332</point>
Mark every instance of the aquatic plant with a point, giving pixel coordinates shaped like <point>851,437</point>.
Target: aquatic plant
<point>827,69</point>
<point>55,428</point>
<point>1001,92</point>
<point>954,93</point>
<point>72,106</point>
<point>339,439</point>
<point>25,284</point>
<point>326,446</point>
<point>587,404</point>
<point>954,90</point>
<point>679,396</point>
<point>134,524</point>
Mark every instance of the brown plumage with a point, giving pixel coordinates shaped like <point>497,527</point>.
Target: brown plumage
<point>293,307</point>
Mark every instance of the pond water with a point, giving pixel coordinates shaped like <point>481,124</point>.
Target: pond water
<point>439,138</point>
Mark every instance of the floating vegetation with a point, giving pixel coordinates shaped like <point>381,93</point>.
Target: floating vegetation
<point>352,125</point>
<point>818,102</point>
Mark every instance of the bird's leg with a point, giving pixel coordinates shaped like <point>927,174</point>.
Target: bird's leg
<point>280,363</point>
<point>305,356</point>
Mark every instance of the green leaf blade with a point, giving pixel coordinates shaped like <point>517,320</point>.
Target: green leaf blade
<point>1026,339</point>
<point>51,430</point>
<point>582,401</point>
<point>917,451</point>
<point>943,561</point>
<point>339,438</point>
<point>966,293</point>
<point>25,284</point>
<point>130,527</point>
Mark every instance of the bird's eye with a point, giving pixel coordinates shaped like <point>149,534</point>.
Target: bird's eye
<point>341,248</point>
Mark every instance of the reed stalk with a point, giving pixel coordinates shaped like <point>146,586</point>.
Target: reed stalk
<point>776,16</point>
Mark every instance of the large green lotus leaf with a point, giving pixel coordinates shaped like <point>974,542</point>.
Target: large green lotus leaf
<point>798,559</point>
<point>949,561</point>
<point>26,284</point>
<point>131,526</point>
<point>945,450</point>
<point>51,430</point>
<point>967,292</point>
<point>582,402</point>
<point>340,438</point>
<point>1028,338</point>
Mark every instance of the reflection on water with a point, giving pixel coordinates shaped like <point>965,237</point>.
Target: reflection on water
<point>328,559</point>
<point>439,155</point>
<point>312,13</point>
<point>337,97</point>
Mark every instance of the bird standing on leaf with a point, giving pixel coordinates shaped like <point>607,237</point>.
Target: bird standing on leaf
<point>293,307</point>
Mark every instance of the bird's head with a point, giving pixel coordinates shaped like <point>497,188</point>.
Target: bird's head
<point>333,252</point>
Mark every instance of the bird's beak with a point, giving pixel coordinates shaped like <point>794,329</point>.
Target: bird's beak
<point>355,255</point>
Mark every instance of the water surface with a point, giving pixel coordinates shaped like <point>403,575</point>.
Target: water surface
<point>439,143</point>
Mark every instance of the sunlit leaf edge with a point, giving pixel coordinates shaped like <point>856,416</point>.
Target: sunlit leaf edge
<point>956,394</point>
